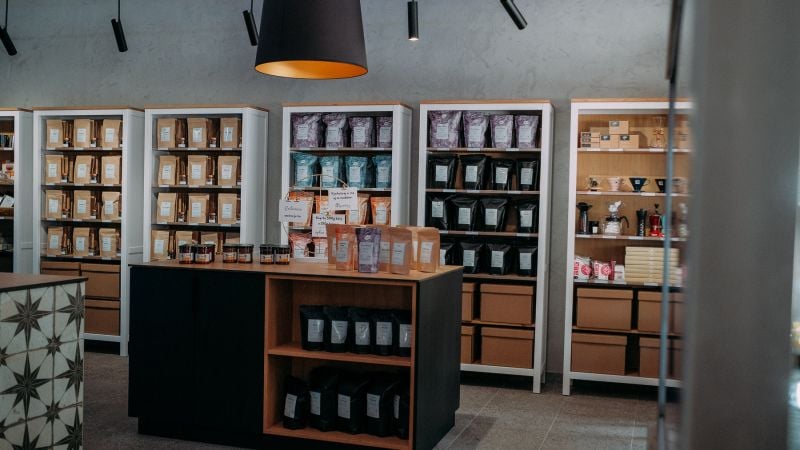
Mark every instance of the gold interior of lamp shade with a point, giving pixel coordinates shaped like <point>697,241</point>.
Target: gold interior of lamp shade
<point>309,69</point>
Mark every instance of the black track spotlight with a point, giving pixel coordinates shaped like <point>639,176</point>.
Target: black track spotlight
<point>413,24</point>
<point>7,42</point>
<point>513,11</point>
<point>252,31</point>
<point>119,34</point>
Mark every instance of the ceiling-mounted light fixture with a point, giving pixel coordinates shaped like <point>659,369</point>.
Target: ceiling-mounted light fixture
<point>250,22</point>
<point>413,24</point>
<point>7,42</point>
<point>119,34</point>
<point>311,39</point>
<point>513,11</point>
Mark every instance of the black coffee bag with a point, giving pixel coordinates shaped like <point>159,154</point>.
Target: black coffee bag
<point>312,325</point>
<point>473,169</point>
<point>494,214</point>
<point>401,327</point>
<point>337,329</point>
<point>351,405</point>
<point>323,389</point>
<point>528,174</point>
<point>380,404</point>
<point>296,405</point>
<point>528,217</point>
<point>361,341</point>
<point>500,260</point>
<point>436,213</point>
<point>471,256</point>
<point>465,212</point>
<point>502,170</point>
<point>381,332</point>
<point>526,261</point>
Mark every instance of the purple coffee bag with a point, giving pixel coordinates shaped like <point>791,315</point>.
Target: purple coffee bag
<point>369,247</point>
<point>362,132</point>
<point>502,130</point>
<point>444,128</point>
<point>305,130</point>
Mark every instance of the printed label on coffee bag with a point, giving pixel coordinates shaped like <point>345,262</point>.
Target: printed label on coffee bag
<point>404,340</point>
<point>289,406</point>
<point>497,259</point>
<point>441,174</point>
<point>315,330</point>
<point>425,251</point>
<point>374,406</point>
<point>525,261</point>
<point>316,398</point>
<point>383,333</point>
<point>362,333</point>
<point>469,258</point>
<point>343,407</point>
<point>437,209</point>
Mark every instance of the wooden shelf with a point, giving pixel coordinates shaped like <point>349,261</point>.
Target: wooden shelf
<point>204,187</point>
<point>497,324</point>
<point>8,218</point>
<point>196,150</point>
<point>83,221</point>
<point>632,332</point>
<point>486,276</point>
<point>82,186</point>
<point>626,238</point>
<point>339,437</point>
<point>6,149</point>
<point>201,226</point>
<point>634,151</point>
<point>616,283</point>
<point>488,233</point>
<point>82,258</point>
<point>317,189</point>
<point>294,350</point>
<point>84,149</point>
<point>485,150</point>
<point>482,191</point>
<point>631,194</point>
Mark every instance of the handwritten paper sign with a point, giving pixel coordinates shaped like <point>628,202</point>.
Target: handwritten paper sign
<point>342,199</point>
<point>318,222</point>
<point>293,211</point>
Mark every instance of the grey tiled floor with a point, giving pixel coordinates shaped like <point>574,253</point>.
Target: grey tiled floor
<point>492,415</point>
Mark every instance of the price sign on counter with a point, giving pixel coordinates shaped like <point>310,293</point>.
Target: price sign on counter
<point>293,211</point>
<point>342,199</point>
<point>318,222</point>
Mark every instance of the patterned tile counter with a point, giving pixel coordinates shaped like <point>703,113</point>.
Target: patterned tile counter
<point>41,361</point>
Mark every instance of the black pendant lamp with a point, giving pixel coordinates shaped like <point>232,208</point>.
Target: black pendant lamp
<point>311,39</point>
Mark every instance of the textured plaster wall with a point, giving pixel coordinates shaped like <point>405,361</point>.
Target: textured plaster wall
<point>196,51</point>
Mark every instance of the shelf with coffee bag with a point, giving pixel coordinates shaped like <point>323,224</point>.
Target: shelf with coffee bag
<point>617,261</point>
<point>16,170</point>
<point>87,169</point>
<point>361,145</point>
<point>484,182</point>
<point>204,177</point>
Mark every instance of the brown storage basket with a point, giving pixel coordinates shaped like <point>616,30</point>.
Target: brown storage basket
<point>507,347</point>
<point>467,344</point>
<point>102,317</point>
<point>505,303</point>
<point>468,302</point>
<point>70,269</point>
<point>608,309</point>
<point>102,280</point>
<point>599,353</point>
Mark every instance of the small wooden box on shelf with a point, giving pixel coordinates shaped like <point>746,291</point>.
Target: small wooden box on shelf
<point>458,140</point>
<point>618,154</point>
<point>87,167</point>
<point>16,171</point>
<point>204,176</point>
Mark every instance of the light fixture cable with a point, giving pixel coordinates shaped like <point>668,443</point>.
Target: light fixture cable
<point>5,38</point>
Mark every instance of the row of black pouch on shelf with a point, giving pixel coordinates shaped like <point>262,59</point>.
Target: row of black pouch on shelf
<point>335,130</point>
<point>358,330</point>
<point>461,213</point>
<point>332,399</point>
<point>475,176</point>
<point>494,258</point>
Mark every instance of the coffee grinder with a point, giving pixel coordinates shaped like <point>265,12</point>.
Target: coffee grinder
<point>641,221</point>
<point>656,224</point>
<point>583,218</point>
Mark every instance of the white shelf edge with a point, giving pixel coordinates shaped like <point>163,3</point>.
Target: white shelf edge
<point>499,370</point>
<point>622,379</point>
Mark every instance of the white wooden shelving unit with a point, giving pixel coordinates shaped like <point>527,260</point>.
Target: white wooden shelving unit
<point>400,150</point>
<point>253,161</point>
<point>543,109</point>
<point>644,161</point>
<point>19,122</point>
<point>130,150</point>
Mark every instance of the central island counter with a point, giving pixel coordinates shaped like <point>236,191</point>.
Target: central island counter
<point>212,346</point>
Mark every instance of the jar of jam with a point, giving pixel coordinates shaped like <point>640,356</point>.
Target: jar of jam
<point>246,253</point>
<point>282,253</point>
<point>267,254</point>
<point>230,253</point>
<point>204,254</point>
<point>185,254</point>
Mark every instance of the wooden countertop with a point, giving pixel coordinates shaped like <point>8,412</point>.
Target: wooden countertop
<point>301,269</point>
<point>17,281</point>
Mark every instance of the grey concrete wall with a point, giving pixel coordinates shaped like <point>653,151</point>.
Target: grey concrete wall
<point>196,51</point>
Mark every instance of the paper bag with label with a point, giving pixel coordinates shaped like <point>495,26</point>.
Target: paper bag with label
<point>111,206</point>
<point>361,215</point>
<point>185,237</point>
<point>159,245</point>
<point>83,133</point>
<point>198,208</point>
<point>227,170</point>
<point>166,207</point>
<point>231,238</point>
<point>381,210</point>
<point>166,130</point>
<point>52,168</point>
<point>197,170</point>
<point>212,238</point>
<point>81,241</point>
<point>227,208</point>
<point>198,132</point>
<point>82,205</point>
<point>55,134</point>
<point>428,250</point>
<point>53,204</point>
<point>109,242</point>
<point>167,170</point>
<point>230,130</point>
<point>400,251</point>
<point>110,173</point>
<point>55,236</point>
<point>111,133</point>
<point>82,169</point>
